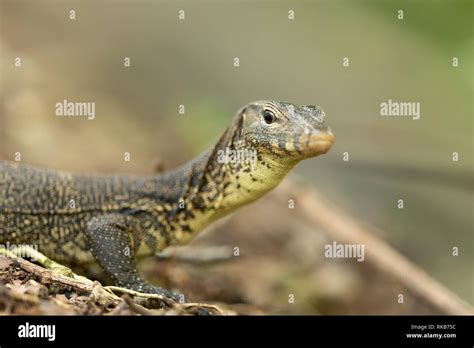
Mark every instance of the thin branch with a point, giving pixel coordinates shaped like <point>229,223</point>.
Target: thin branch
<point>211,254</point>
<point>346,229</point>
<point>80,284</point>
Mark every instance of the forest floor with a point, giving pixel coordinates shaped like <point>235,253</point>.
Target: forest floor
<point>264,259</point>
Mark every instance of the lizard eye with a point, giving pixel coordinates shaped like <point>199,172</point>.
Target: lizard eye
<point>268,116</point>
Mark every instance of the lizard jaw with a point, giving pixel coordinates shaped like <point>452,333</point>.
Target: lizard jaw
<point>319,142</point>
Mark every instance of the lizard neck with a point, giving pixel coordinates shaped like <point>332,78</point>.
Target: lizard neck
<point>221,179</point>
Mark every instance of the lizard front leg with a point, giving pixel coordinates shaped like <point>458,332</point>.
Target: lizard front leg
<point>111,243</point>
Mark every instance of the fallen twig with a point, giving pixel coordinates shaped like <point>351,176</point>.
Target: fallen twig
<point>209,254</point>
<point>169,302</point>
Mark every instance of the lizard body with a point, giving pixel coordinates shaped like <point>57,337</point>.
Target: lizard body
<point>77,219</point>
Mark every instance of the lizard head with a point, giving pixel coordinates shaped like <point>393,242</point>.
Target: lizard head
<point>284,132</point>
<point>264,142</point>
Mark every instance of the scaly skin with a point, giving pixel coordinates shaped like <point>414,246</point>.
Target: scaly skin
<point>76,219</point>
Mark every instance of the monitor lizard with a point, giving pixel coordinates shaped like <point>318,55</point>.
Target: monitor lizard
<point>114,219</point>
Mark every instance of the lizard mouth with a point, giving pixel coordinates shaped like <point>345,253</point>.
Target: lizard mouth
<point>319,142</point>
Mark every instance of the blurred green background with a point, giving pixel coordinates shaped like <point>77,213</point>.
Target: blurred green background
<point>190,62</point>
